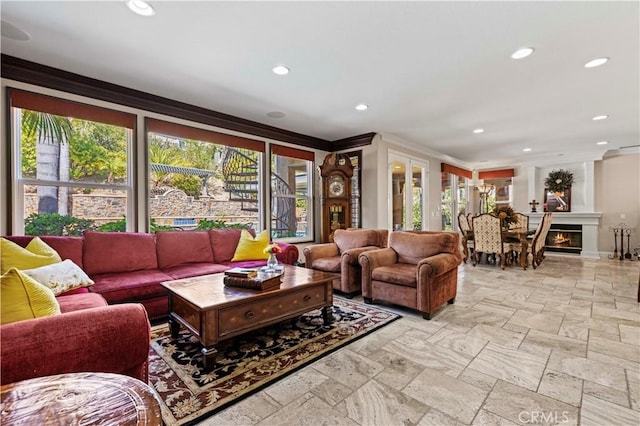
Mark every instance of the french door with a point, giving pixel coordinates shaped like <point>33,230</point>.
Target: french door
<point>408,195</point>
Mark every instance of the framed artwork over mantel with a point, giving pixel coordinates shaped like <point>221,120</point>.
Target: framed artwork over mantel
<point>558,201</point>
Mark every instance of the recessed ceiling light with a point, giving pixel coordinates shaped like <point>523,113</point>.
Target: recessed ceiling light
<point>362,107</point>
<point>600,117</point>
<point>12,32</point>
<point>526,150</point>
<point>602,143</point>
<point>522,53</point>
<point>476,131</point>
<point>140,7</point>
<point>596,62</point>
<point>280,70</point>
<point>276,114</point>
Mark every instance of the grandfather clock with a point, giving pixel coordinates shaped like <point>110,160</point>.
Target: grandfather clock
<point>336,172</point>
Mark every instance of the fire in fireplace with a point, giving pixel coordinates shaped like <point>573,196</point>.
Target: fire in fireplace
<point>564,238</point>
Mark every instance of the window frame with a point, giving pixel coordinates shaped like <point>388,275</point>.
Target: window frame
<point>298,154</point>
<point>19,100</point>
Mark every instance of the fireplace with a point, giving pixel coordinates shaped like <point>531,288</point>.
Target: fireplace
<point>564,238</point>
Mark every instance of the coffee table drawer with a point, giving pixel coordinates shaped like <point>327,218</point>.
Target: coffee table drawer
<point>267,310</point>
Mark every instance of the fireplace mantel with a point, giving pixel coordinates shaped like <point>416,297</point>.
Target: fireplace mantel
<point>590,222</point>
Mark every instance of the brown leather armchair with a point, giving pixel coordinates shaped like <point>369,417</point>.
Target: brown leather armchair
<point>418,270</point>
<point>341,256</point>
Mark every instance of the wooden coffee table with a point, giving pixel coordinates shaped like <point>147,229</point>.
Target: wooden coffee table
<point>213,312</point>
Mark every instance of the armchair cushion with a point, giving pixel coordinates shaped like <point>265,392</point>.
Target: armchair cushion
<point>328,264</point>
<point>412,248</point>
<point>403,274</point>
<point>354,238</point>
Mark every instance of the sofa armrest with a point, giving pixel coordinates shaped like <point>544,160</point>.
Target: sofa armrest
<point>318,251</point>
<point>289,254</point>
<point>110,339</point>
<point>438,264</point>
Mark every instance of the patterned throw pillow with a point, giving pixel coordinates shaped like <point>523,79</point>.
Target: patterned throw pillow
<point>250,248</point>
<point>22,298</point>
<point>60,277</point>
<point>37,253</point>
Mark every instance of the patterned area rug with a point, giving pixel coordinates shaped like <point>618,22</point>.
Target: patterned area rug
<point>249,362</point>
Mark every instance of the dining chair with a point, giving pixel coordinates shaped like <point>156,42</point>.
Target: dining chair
<point>487,233</point>
<point>467,235</point>
<point>522,224</point>
<point>539,240</point>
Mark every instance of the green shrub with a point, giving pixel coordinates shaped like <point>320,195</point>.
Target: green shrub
<point>191,185</point>
<point>56,224</point>
<point>220,224</point>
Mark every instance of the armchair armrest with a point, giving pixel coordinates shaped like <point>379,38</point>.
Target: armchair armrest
<point>369,260</point>
<point>318,251</point>
<point>289,253</point>
<point>350,256</point>
<point>438,264</point>
<point>110,339</point>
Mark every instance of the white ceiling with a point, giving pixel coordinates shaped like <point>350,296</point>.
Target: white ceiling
<point>431,72</point>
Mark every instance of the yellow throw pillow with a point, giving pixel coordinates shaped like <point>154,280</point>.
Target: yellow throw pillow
<point>37,253</point>
<point>250,248</point>
<point>22,298</point>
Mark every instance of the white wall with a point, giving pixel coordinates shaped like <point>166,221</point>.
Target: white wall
<point>617,192</point>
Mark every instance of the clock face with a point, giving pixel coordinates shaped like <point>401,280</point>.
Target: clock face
<point>336,186</point>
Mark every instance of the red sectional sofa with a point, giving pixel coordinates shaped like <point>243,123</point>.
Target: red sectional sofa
<point>106,328</point>
<point>128,267</point>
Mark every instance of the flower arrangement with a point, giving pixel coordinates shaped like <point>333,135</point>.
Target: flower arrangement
<point>506,215</point>
<point>559,180</point>
<point>272,249</point>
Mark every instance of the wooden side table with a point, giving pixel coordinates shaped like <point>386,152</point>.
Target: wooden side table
<point>80,398</point>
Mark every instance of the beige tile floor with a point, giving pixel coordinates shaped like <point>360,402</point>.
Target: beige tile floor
<point>555,345</point>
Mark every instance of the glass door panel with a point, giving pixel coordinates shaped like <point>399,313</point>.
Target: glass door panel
<point>408,202</point>
<point>398,183</point>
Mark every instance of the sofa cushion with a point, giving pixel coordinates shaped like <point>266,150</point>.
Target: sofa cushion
<point>66,247</point>
<point>80,301</point>
<point>194,269</point>
<point>346,240</point>
<point>412,248</point>
<point>245,264</point>
<point>35,254</point>
<point>108,252</point>
<point>180,247</point>
<point>224,243</point>
<point>250,247</point>
<point>60,277</point>
<point>22,298</point>
<point>130,286</point>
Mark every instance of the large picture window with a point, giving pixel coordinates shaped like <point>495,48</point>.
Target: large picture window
<point>70,165</point>
<point>201,179</point>
<point>291,202</point>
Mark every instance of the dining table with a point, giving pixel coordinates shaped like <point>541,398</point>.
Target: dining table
<point>519,234</point>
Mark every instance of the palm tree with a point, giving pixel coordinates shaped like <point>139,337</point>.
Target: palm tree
<point>52,156</point>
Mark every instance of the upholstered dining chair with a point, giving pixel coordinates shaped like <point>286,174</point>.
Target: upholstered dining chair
<point>487,237</point>
<point>522,224</point>
<point>536,248</point>
<point>467,235</point>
